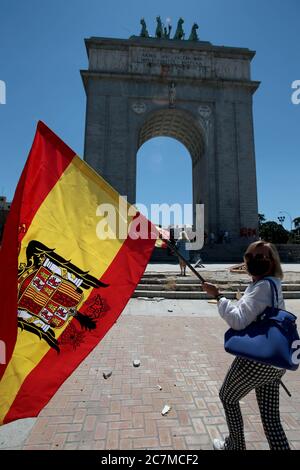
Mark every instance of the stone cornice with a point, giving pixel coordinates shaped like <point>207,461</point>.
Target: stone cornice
<point>201,46</point>
<point>217,82</point>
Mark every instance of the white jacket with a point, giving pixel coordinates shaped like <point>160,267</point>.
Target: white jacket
<point>256,298</point>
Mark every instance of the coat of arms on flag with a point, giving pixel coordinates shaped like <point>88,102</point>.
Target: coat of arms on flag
<point>61,286</point>
<point>49,293</point>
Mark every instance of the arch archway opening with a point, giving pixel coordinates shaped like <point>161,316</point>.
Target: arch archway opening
<point>181,127</point>
<point>164,182</point>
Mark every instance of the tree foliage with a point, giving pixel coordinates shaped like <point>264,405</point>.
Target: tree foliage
<point>273,232</point>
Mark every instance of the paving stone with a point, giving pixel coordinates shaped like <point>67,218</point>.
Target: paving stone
<point>124,412</point>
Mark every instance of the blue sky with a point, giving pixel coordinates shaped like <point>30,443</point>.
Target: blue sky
<point>42,51</point>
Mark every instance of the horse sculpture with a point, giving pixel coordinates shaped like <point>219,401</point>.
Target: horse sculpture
<point>179,34</point>
<point>163,32</point>
<point>159,33</point>
<point>144,32</point>
<point>194,35</point>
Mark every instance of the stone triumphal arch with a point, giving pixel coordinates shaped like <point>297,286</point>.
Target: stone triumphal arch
<point>198,93</point>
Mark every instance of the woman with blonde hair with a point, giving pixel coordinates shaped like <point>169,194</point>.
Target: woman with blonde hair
<point>262,261</point>
<point>181,248</point>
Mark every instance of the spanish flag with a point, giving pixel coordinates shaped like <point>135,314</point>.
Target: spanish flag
<point>62,283</point>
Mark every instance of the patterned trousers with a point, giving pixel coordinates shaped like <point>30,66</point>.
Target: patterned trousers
<point>243,376</point>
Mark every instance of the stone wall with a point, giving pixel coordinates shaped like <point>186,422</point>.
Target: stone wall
<point>289,253</point>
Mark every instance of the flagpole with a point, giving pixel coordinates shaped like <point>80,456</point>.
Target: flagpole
<point>173,248</point>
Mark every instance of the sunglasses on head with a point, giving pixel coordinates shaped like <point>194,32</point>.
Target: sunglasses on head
<point>258,256</point>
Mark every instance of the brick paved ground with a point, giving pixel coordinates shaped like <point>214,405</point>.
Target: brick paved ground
<point>182,354</point>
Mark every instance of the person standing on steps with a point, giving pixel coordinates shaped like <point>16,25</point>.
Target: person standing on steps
<point>181,248</point>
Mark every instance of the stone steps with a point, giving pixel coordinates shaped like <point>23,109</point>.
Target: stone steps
<point>172,286</point>
<point>177,294</point>
<point>196,285</point>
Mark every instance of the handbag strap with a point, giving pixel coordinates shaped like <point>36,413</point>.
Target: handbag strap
<point>273,290</point>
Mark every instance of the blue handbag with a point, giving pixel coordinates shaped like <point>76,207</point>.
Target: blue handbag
<point>269,339</point>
